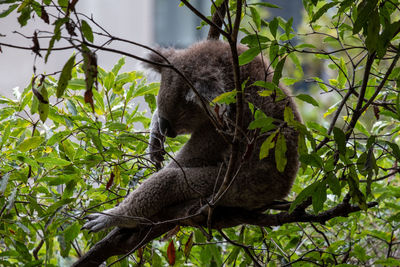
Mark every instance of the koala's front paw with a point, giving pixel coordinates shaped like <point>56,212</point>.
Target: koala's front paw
<point>98,221</point>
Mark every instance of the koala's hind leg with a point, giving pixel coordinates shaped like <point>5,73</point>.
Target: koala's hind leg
<point>165,188</point>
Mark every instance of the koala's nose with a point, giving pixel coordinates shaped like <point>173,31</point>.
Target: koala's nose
<point>165,127</point>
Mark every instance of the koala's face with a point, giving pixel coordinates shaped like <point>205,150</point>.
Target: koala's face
<point>179,108</point>
<point>177,112</point>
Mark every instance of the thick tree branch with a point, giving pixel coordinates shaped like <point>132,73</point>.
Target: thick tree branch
<point>123,241</point>
<point>217,19</point>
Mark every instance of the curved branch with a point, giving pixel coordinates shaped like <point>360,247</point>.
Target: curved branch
<point>125,241</point>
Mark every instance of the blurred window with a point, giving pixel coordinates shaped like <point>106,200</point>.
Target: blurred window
<point>174,25</point>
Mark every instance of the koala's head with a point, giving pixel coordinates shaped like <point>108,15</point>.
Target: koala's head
<point>179,108</point>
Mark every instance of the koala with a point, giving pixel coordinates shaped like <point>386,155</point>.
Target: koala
<point>197,170</point>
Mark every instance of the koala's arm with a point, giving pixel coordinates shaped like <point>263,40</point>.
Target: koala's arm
<point>253,188</point>
<point>156,142</point>
<point>165,188</point>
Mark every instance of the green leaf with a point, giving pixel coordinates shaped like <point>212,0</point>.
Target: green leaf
<point>322,11</point>
<point>342,74</point>
<point>288,115</point>
<point>6,12</point>
<point>273,27</point>
<point>265,4</point>
<point>87,31</point>
<point>77,84</point>
<point>4,182</point>
<point>54,161</point>
<point>66,75</point>
<point>94,136</point>
<point>25,15</point>
<point>278,71</point>
<point>267,145</point>
<point>5,135</point>
<point>43,107</point>
<point>274,53</point>
<point>30,143</point>
<point>109,80</point>
<point>289,81</point>
<point>319,197</point>
<point>308,99</point>
<point>248,55</point>
<point>226,98</point>
<point>311,160</point>
<point>267,85</point>
<point>264,123</point>
<point>34,105</point>
<point>306,193</point>
<point>151,89</point>
<point>288,29</point>
<point>387,262</point>
<point>340,139</point>
<point>296,62</point>
<point>72,232</point>
<point>280,153</point>
<point>373,32</point>
<point>395,149</point>
<point>58,137</point>
<point>321,83</point>
<point>118,66</point>
<point>365,8</point>
<point>334,184</point>
<point>256,17</point>
<point>254,40</point>
<point>23,250</point>
<point>56,36</point>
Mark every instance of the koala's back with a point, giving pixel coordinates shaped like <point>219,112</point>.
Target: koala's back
<point>260,181</point>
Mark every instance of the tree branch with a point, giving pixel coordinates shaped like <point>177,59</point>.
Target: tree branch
<point>123,241</point>
<point>217,19</point>
<point>209,22</point>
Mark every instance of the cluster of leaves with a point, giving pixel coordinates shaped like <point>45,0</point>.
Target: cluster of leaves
<point>60,159</point>
<point>71,145</point>
<point>352,152</point>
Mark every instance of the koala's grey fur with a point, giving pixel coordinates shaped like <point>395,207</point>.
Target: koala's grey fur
<point>204,157</point>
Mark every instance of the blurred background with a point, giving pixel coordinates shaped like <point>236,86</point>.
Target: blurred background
<point>150,22</point>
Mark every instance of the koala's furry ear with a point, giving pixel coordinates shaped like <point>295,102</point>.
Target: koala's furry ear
<point>162,57</point>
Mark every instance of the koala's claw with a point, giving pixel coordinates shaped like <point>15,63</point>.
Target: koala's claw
<point>97,222</point>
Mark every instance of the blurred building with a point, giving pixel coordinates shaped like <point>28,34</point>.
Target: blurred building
<point>148,22</point>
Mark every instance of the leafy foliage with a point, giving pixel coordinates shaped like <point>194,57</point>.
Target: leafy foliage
<point>74,144</point>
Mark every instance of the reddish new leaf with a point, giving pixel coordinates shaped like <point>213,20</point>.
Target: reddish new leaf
<point>139,253</point>
<point>89,98</point>
<point>189,245</point>
<point>110,182</point>
<point>171,253</point>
